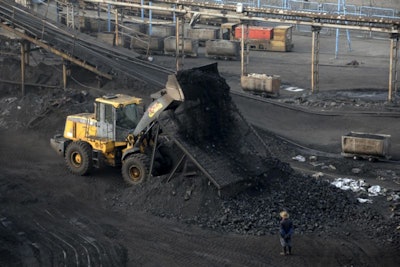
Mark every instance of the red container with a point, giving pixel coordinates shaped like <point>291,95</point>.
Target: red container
<point>255,32</point>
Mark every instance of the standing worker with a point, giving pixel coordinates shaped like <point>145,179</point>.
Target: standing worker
<point>285,232</point>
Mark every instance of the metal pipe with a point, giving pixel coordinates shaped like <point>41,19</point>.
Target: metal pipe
<point>174,14</point>
<point>391,71</point>
<point>312,60</point>
<point>116,28</point>
<point>28,52</point>
<point>150,20</point>
<point>337,34</point>
<point>347,30</point>
<point>64,68</point>
<point>153,154</point>
<point>142,10</point>
<point>98,18</point>
<point>177,45</point>
<point>337,44</point>
<point>182,41</point>
<point>57,12</point>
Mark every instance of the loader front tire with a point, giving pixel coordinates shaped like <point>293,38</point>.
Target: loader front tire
<point>135,168</point>
<point>78,157</point>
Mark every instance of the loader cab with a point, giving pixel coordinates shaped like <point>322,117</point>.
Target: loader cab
<point>117,115</point>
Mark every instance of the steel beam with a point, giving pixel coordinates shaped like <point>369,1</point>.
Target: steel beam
<point>321,19</point>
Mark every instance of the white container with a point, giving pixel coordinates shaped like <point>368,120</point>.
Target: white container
<point>261,83</point>
<point>366,145</point>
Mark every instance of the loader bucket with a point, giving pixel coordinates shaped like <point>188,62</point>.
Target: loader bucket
<point>196,82</point>
<point>173,89</point>
<point>162,100</point>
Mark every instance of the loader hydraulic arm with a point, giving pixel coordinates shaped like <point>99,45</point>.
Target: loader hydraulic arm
<point>163,99</point>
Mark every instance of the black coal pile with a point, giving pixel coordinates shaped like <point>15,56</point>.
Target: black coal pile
<point>210,120</point>
<point>314,205</point>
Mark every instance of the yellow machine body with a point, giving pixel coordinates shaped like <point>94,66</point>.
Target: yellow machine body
<point>100,129</point>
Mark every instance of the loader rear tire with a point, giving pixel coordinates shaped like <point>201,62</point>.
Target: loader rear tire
<point>135,169</point>
<point>78,157</point>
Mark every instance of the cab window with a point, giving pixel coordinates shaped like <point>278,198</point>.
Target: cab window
<point>127,117</point>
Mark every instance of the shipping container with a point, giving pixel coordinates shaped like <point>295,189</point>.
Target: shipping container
<point>255,32</point>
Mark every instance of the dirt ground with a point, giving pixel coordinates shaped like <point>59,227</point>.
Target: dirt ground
<point>52,218</point>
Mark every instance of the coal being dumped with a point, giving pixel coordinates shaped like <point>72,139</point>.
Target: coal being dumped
<point>207,107</point>
<point>211,132</point>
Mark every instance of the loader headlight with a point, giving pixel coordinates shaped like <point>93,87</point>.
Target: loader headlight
<point>131,139</point>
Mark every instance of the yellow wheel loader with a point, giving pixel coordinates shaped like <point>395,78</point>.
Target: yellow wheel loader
<point>118,134</point>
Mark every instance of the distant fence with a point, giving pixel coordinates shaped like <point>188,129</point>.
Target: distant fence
<point>313,6</point>
<point>378,12</point>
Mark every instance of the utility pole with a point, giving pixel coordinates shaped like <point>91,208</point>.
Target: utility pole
<point>394,58</point>
<point>315,59</point>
